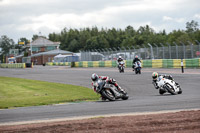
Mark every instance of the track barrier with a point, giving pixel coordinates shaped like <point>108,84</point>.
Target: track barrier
<point>156,63</point>
<point>14,65</point>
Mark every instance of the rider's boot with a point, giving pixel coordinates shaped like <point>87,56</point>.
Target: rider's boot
<point>120,89</point>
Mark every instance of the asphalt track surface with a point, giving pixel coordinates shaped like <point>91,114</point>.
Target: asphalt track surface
<point>143,97</point>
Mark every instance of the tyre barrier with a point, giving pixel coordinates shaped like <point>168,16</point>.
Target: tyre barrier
<point>15,65</point>
<point>58,63</point>
<point>156,63</point>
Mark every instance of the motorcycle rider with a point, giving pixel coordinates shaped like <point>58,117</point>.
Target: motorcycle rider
<point>119,60</point>
<point>112,81</point>
<point>135,60</point>
<point>155,76</point>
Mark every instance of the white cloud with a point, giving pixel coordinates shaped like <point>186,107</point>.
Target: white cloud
<point>180,20</point>
<point>31,16</point>
<point>177,20</point>
<point>166,18</point>
<point>197,16</point>
<point>21,2</point>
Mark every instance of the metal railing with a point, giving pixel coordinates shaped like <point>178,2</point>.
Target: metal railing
<point>149,51</point>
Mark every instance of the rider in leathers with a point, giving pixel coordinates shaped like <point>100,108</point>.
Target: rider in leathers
<point>119,60</point>
<point>156,76</point>
<point>135,60</point>
<point>112,81</point>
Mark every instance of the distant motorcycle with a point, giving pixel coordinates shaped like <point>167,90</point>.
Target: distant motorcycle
<point>109,91</point>
<point>138,67</point>
<point>167,85</point>
<point>121,66</point>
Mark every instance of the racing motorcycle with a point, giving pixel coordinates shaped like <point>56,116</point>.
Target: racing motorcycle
<point>109,91</point>
<point>121,66</point>
<point>138,67</point>
<point>167,85</point>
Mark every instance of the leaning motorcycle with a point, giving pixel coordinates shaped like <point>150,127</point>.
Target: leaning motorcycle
<point>167,85</point>
<point>138,67</point>
<point>109,91</point>
<point>121,66</point>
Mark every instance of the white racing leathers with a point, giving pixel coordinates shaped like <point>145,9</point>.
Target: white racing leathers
<point>167,85</point>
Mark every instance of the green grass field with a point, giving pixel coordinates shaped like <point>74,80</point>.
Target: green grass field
<point>16,92</point>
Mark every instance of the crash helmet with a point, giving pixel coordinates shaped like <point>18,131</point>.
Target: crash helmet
<point>154,75</point>
<point>120,57</point>
<point>136,56</point>
<point>94,77</point>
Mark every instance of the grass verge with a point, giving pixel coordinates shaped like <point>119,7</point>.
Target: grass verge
<point>17,92</point>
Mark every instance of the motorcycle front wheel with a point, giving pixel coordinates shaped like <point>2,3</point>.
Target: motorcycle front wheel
<point>125,97</point>
<point>109,94</point>
<point>180,90</point>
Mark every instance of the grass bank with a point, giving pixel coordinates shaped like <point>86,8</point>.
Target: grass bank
<point>16,92</point>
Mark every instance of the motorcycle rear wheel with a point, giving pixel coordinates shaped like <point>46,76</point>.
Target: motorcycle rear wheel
<point>161,91</point>
<point>136,71</point>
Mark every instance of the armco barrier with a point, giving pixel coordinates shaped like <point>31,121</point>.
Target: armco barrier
<point>85,63</point>
<point>191,63</point>
<point>58,64</point>
<point>176,63</point>
<point>157,63</point>
<point>95,63</point>
<point>147,63</point>
<point>108,63</point>
<point>114,63</point>
<point>90,64</point>
<point>15,65</point>
<point>167,63</point>
<point>128,63</point>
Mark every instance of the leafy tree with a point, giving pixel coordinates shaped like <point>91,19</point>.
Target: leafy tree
<point>36,36</point>
<point>94,38</point>
<point>174,35</point>
<point>6,44</point>
<point>192,26</point>
<point>183,38</point>
<point>73,46</point>
<point>23,39</point>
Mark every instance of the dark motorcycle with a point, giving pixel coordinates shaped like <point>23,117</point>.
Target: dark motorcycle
<point>109,91</point>
<point>138,67</point>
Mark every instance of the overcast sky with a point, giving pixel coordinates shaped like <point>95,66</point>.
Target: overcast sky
<point>23,18</point>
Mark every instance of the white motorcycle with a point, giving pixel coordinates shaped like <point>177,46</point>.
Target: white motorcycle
<point>167,85</point>
<point>121,66</point>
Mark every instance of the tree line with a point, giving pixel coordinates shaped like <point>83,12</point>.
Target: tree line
<point>94,38</point>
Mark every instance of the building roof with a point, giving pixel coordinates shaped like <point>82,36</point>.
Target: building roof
<point>41,41</point>
<point>52,52</point>
<point>63,56</point>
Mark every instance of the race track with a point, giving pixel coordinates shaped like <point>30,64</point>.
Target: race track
<point>142,95</point>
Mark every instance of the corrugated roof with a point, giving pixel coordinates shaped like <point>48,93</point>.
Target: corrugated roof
<point>41,41</point>
<point>52,52</point>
